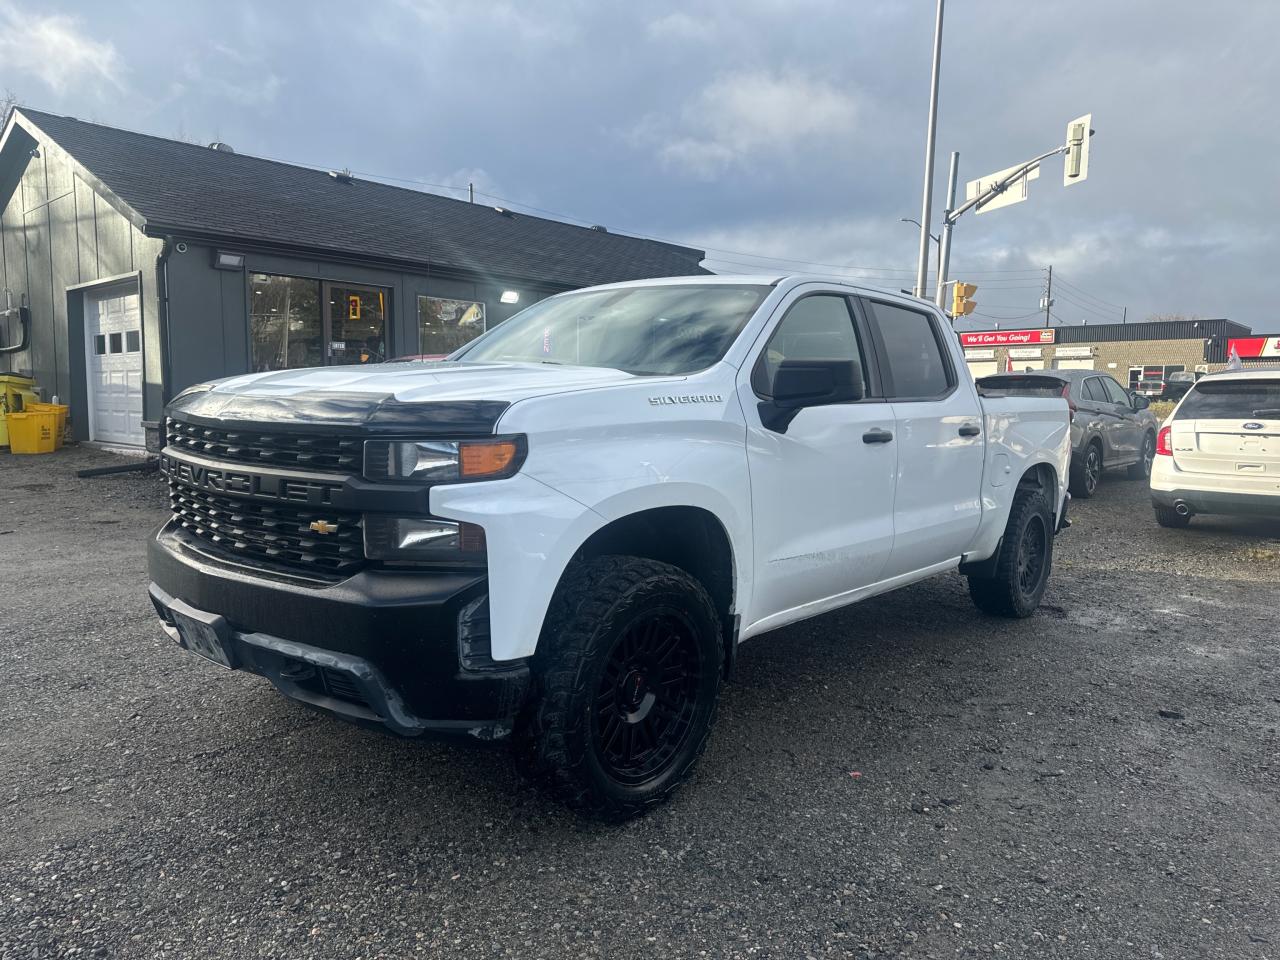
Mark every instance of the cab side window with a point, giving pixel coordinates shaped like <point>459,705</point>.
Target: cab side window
<point>911,352</point>
<point>819,327</point>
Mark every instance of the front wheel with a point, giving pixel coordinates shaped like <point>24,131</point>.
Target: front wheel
<point>626,682</point>
<point>1026,557</point>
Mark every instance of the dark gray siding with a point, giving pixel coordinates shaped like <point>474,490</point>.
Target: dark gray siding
<point>209,308</point>
<point>56,233</point>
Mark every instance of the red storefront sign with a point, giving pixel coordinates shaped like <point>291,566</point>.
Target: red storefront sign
<point>1008,338</point>
<point>1254,346</point>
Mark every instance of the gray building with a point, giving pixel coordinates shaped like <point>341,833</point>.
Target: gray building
<point>133,266</point>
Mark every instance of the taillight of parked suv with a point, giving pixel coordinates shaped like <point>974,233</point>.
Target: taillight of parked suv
<point>1164,445</point>
<point>1071,404</point>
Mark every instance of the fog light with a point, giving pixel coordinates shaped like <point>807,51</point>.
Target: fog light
<point>421,538</point>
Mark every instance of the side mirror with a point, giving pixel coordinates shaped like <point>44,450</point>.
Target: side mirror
<point>1140,402</point>
<point>809,383</point>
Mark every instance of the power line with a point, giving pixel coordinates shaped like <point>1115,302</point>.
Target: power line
<point>1086,293</point>
<point>1109,317</point>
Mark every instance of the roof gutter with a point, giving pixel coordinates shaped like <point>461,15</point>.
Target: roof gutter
<point>162,298</point>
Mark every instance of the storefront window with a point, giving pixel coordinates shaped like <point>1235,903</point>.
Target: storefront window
<point>285,328</point>
<point>445,325</point>
<point>1151,371</point>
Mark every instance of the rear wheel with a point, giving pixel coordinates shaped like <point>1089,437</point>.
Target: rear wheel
<point>1142,469</point>
<point>1025,560</point>
<point>1086,471</point>
<point>1169,517</point>
<point>625,691</point>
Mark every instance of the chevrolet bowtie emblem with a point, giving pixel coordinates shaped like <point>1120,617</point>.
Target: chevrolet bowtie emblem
<point>323,526</point>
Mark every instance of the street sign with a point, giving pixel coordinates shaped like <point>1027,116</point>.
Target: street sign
<point>1016,192</point>
<point>1076,166</point>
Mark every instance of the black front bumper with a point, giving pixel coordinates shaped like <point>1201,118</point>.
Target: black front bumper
<point>1229,504</point>
<point>405,650</point>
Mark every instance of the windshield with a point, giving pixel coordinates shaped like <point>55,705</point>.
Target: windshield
<point>1231,400</point>
<point>669,329</point>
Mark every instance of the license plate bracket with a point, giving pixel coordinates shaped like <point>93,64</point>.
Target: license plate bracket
<point>204,634</point>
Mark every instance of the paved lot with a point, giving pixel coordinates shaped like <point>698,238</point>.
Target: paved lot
<point>905,778</point>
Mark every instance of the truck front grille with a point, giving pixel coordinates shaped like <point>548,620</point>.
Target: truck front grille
<point>274,533</point>
<point>301,450</point>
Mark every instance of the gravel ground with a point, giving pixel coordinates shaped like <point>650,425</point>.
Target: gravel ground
<point>906,778</point>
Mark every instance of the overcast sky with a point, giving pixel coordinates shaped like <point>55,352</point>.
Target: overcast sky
<point>789,129</point>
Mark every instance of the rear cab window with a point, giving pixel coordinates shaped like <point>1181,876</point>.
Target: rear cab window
<point>1231,400</point>
<point>1015,385</point>
<point>914,364</point>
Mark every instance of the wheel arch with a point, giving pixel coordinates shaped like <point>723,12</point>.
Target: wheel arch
<point>692,538</point>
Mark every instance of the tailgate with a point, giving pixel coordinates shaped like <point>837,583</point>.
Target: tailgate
<point>1229,427</point>
<point>1227,447</point>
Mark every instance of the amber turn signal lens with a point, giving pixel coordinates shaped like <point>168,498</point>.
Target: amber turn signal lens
<point>485,459</point>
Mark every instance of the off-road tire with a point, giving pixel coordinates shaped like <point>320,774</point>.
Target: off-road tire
<point>1008,592</point>
<point>1169,517</point>
<point>1142,469</point>
<point>589,627</point>
<point>1086,473</point>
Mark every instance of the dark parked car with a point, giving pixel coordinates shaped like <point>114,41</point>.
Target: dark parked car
<point>1110,426</point>
<point>1176,385</point>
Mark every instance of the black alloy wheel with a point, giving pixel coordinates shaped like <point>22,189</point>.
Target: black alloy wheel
<point>1142,469</point>
<point>1092,468</point>
<point>646,697</point>
<point>625,685</point>
<point>1032,556</point>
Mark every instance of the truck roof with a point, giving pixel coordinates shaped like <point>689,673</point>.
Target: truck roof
<point>770,280</point>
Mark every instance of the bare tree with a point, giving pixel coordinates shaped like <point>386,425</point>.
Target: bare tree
<point>7,103</point>
<point>1172,317</point>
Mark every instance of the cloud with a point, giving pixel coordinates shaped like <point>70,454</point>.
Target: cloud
<point>54,49</point>
<point>739,117</point>
<point>679,26</point>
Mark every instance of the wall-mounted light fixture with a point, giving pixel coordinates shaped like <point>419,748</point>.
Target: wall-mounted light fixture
<point>510,296</point>
<point>224,260</point>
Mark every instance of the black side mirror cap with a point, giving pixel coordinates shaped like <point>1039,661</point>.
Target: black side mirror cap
<point>1140,402</point>
<point>809,383</point>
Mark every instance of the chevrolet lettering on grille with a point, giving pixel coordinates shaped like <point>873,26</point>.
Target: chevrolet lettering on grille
<point>249,484</point>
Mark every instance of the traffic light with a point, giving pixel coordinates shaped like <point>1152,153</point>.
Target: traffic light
<point>961,305</point>
<point>1076,167</point>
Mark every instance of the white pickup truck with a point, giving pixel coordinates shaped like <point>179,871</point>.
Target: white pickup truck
<point>561,534</point>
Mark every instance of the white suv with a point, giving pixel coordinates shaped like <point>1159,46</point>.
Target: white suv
<point>1219,451</point>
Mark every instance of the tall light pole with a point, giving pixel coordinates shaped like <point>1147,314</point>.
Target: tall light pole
<point>926,206</point>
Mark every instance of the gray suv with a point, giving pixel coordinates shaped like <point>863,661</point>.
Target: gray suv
<point>1110,426</point>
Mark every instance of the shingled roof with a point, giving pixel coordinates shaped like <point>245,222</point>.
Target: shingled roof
<point>191,190</point>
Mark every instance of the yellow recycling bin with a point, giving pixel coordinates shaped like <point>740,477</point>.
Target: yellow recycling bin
<point>15,393</point>
<point>60,410</point>
<point>35,432</point>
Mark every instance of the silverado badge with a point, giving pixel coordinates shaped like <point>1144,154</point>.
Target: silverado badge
<point>323,526</point>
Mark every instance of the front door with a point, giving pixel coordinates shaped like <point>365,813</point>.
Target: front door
<point>938,433</point>
<point>1128,432</point>
<point>821,493</point>
<point>113,365</point>
<point>356,323</point>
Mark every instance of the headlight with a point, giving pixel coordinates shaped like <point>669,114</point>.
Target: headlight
<point>443,461</point>
<point>422,539</point>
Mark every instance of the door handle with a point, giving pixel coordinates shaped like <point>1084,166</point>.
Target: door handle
<point>970,430</point>
<point>876,435</point>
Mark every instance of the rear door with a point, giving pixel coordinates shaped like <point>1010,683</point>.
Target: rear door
<point>1128,432</point>
<point>1229,428</point>
<point>1091,400</point>
<point>937,503</point>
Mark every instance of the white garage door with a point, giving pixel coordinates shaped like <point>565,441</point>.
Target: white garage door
<point>982,368</point>
<point>113,335</point>
<point>1073,364</point>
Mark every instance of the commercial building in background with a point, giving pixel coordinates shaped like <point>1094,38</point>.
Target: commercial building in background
<point>133,266</point>
<point>1130,352</point>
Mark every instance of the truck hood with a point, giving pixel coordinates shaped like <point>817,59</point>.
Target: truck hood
<point>438,397</point>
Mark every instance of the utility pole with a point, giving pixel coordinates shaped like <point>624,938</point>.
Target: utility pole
<point>926,206</point>
<point>1048,296</point>
<point>944,244</point>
